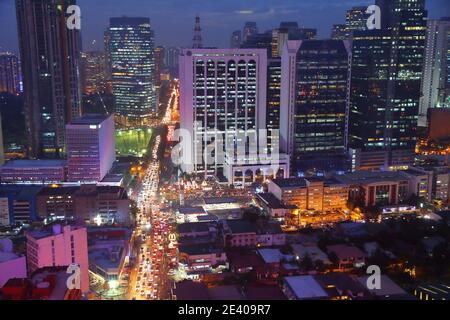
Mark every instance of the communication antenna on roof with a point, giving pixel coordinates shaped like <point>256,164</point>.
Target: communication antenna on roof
<point>197,34</point>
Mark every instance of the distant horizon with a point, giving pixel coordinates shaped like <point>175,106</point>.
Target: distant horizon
<point>218,20</point>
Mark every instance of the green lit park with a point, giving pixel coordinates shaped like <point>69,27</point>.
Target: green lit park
<point>133,142</point>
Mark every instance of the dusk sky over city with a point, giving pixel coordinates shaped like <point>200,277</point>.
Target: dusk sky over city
<point>172,20</point>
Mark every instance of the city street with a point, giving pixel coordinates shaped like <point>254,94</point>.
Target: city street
<point>149,280</point>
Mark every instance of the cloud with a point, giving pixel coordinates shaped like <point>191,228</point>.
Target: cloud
<point>244,12</point>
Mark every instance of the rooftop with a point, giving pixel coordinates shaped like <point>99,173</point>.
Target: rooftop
<point>290,183</point>
<point>270,200</point>
<point>191,210</point>
<point>271,255</point>
<point>217,200</point>
<point>90,119</point>
<point>388,287</point>
<point>344,252</point>
<point>34,164</point>
<point>193,227</point>
<point>199,249</point>
<point>367,177</point>
<point>241,226</point>
<point>259,292</point>
<point>8,256</point>
<point>229,292</point>
<point>305,287</point>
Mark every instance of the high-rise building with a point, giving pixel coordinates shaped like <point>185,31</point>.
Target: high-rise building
<point>91,148</point>
<point>197,41</point>
<point>314,93</point>
<point>436,67</point>
<point>50,58</point>
<point>9,73</point>
<point>160,64</point>
<point>339,32</point>
<point>250,29</point>
<point>93,73</point>
<point>385,87</point>
<point>236,39</point>
<point>133,68</point>
<point>222,91</point>
<point>279,38</point>
<point>298,33</point>
<point>355,20</point>
<point>172,57</point>
<point>60,246</point>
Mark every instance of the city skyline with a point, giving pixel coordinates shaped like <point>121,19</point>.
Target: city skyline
<point>308,161</point>
<point>95,18</point>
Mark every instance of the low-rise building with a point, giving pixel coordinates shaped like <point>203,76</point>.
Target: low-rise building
<point>189,214</point>
<point>274,206</point>
<point>20,203</point>
<point>59,246</point>
<point>197,230</point>
<point>348,257</point>
<point>202,258</point>
<point>312,251</point>
<point>34,171</point>
<point>239,233</point>
<point>377,188</point>
<point>101,205</point>
<point>317,194</point>
<point>44,284</point>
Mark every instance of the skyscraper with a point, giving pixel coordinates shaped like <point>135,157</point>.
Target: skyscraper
<point>314,93</point>
<point>93,73</point>
<point>236,39</point>
<point>385,87</point>
<point>133,69</point>
<point>250,29</point>
<point>160,64</point>
<point>50,56</point>
<point>172,56</point>
<point>197,40</point>
<point>9,73</point>
<point>221,91</point>
<point>355,20</point>
<point>91,148</point>
<point>435,69</point>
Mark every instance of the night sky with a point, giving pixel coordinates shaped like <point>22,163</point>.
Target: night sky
<point>173,20</point>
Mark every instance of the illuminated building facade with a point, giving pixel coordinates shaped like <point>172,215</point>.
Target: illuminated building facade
<point>436,76</point>
<point>94,73</point>
<point>223,91</point>
<point>355,20</point>
<point>9,73</point>
<point>59,246</point>
<point>91,148</point>
<point>133,68</point>
<point>315,89</point>
<point>50,57</point>
<point>34,171</point>
<point>316,194</point>
<point>385,87</point>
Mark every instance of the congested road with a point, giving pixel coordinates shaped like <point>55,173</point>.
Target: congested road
<point>149,280</point>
